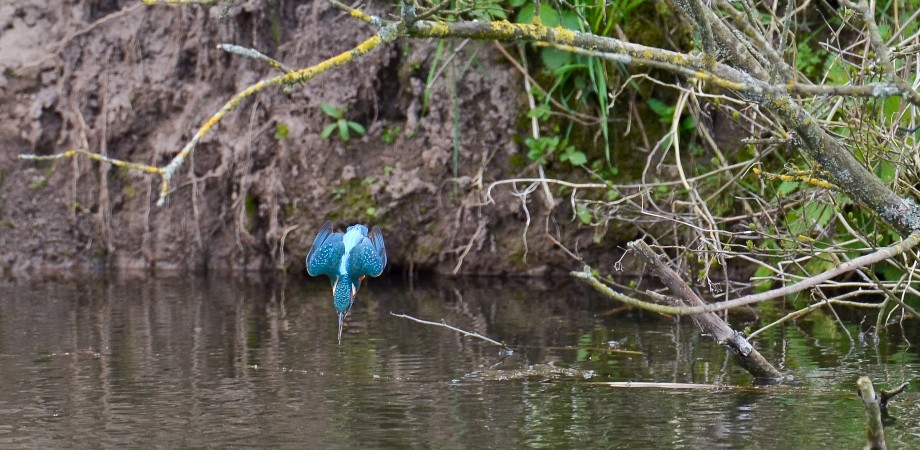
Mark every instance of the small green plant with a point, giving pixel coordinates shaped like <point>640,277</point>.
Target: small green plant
<point>281,131</point>
<point>538,149</point>
<point>43,183</point>
<point>665,113</point>
<point>579,83</point>
<point>390,134</point>
<point>584,214</point>
<point>542,149</point>
<point>338,193</point>
<point>344,126</point>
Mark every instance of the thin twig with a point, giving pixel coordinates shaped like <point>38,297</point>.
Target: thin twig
<point>444,324</point>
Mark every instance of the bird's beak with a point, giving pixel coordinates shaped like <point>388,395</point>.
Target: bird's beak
<point>341,322</point>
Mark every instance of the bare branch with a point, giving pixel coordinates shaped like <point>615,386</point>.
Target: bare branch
<point>444,324</point>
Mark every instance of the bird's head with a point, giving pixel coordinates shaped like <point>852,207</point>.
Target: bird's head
<point>343,295</point>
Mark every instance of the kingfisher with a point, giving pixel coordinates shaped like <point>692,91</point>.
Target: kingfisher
<point>347,259</point>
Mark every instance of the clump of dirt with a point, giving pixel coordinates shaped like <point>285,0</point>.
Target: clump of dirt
<point>135,82</point>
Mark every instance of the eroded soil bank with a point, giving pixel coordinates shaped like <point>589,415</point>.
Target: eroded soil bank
<point>135,82</point>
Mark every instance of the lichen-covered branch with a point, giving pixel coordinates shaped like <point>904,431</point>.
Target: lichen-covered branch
<point>98,157</point>
<point>842,167</point>
<point>744,73</point>
<point>168,171</point>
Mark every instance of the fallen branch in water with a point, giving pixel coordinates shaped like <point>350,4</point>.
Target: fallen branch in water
<point>880,255</point>
<point>444,324</point>
<point>744,352</point>
<point>875,433</point>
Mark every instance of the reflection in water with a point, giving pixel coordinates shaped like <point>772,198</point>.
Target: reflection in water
<point>254,362</point>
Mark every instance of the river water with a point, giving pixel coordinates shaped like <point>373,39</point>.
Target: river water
<point>253,361</point>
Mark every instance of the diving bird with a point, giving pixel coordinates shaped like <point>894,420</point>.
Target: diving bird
<point>346,258</point>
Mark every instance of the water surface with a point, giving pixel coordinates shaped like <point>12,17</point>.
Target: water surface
<point>254,362</point>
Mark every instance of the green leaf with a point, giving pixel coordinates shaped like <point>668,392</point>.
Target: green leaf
<point>331,111</point>
<point>540,112</point>
<point>762,285</point>
<point>536,156</point>
<point>357,127</point>
<point>885,30</point>
<point>343,129</point>
<point>570,20</point>
<point>554,59</point>
<point>786,187</point>
<point>576,158</point>
<point>584,215</point>
<point>664,111</point>
<point>891,107</point>
<point>886,171</point>
<point>492,11</point>
<point>550,17</point>
<point>836,73</point>
<point>328,131</point>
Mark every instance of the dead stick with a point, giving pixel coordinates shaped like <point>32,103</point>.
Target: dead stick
<point>875,433</point>
<point>451,327</point>
<point>744,352</point>
<point>885,396</point>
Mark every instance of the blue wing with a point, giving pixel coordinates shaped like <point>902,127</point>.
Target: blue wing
<point>326,255</point>
<point>369,257</point>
